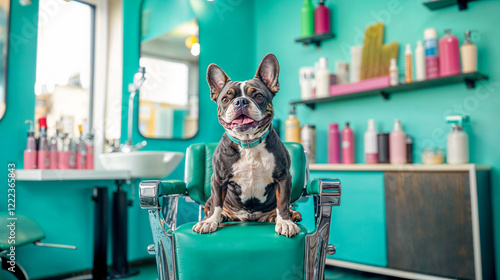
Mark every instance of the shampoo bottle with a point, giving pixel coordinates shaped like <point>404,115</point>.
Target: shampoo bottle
<point>371,142</point>
<point>420,62</point>
<point>449,56</point>
<point>333,143</point>
<point>43,145</point>
<point>30,152</point>
<point>457,150</point>
<point>322,79</point>
<point>431,53</point>
<point>347,145</point>
<point>292,127</point>
<point>408,66</point>
<point>468,52</point>
<point>397,144</point>
<point>307,19</point>
<point>321,19</point>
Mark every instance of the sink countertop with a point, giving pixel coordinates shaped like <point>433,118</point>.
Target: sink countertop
<point>70,174</point>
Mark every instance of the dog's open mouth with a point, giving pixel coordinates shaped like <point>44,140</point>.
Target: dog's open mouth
<point>243,122</point>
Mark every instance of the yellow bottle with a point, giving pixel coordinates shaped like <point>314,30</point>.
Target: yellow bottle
<point>292,127</point>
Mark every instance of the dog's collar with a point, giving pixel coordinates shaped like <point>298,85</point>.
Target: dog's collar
<point>249,144</point>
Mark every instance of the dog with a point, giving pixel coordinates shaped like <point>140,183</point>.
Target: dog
<point>251,179</point>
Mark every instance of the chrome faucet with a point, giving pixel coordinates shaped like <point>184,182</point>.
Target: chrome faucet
<point>133,88</point>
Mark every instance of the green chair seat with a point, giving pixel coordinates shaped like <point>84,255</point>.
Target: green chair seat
<point>239,251</point>
<point>27,231</point>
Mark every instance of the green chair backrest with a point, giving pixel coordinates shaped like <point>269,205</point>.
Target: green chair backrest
<point>199,170</point>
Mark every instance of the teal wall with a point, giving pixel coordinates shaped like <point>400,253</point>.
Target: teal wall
<point>277,24</point>
<point>236,34</point>
<point>155,23</point>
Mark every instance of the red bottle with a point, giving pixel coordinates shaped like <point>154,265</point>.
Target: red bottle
<point>347,145</point>
<point>321,19</point>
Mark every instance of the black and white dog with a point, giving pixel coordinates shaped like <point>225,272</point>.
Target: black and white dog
<point>251,179</point>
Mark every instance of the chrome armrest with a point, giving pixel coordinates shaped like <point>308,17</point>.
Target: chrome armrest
<point>163,247</point>
<point>317,246</point>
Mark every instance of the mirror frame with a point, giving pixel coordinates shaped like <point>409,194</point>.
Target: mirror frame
<point>139,93</point>
<point>6,53</point>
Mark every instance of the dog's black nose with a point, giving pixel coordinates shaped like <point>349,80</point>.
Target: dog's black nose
<point>241,103</point>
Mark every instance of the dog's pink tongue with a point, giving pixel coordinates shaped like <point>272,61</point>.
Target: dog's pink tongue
<point>242,120</point>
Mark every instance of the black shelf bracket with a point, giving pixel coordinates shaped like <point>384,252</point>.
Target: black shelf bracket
<point>311,105</point>
<point>385,95</point>
<point>462,4</point>
<point>470,83</point>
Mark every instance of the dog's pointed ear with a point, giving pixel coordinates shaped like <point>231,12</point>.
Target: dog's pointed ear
<point>216,79</point>
<point>268,72</point>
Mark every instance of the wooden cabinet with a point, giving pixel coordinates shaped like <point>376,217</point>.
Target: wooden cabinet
<point>429,223</point>
<point>435,221</point>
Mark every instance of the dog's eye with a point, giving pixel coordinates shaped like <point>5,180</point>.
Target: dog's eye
<point>225,100</point>
<point>259,96</point>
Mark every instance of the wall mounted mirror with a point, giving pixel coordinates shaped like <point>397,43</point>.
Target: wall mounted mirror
<point>64,68</point>
<point>168,100</point>
<point>4,45</point>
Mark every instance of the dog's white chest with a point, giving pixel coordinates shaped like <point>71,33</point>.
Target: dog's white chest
<point>253,172</point>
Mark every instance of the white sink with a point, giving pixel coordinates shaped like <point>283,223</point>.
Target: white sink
<point>143,164</point>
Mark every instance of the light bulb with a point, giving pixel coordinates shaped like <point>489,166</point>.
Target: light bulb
<point>195,49</point>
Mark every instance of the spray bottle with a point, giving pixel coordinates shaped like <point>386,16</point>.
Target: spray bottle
<point>30,152</point>
<point>457,148</point>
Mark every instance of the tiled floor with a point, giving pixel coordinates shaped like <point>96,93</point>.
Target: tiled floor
<point>148,272</point>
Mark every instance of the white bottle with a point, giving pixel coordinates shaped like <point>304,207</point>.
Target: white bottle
<point>370,138</point>
<point>306,82</point>
<point>457,150</point>
<point>394,73</point>
<point>322,79</point>
<point>420,62</point>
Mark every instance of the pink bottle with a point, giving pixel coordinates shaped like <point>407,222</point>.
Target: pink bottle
<point>90,151</point>
<point>333,143</point>
<point>397,144</point>
<point>66,156</point>
<point>449,55</point>
<point>43,145</point>
<point>321,19</point>
<point>30,152</point>
<point>347,145</point>
<point>53,153</point>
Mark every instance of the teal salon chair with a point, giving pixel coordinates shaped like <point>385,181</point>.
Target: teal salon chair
<point>17,231</point>
<point>237,250</point>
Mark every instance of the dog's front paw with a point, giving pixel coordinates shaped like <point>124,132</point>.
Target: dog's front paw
<point>206,226</point>
<point>286,228</point>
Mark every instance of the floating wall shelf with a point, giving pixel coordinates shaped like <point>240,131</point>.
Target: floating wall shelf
<point>439,4</point>
<point>315,39</point>
<point>468,78</point>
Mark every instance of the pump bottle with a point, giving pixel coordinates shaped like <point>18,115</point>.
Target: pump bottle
<point>468,52</point>
<point>30,152</point>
